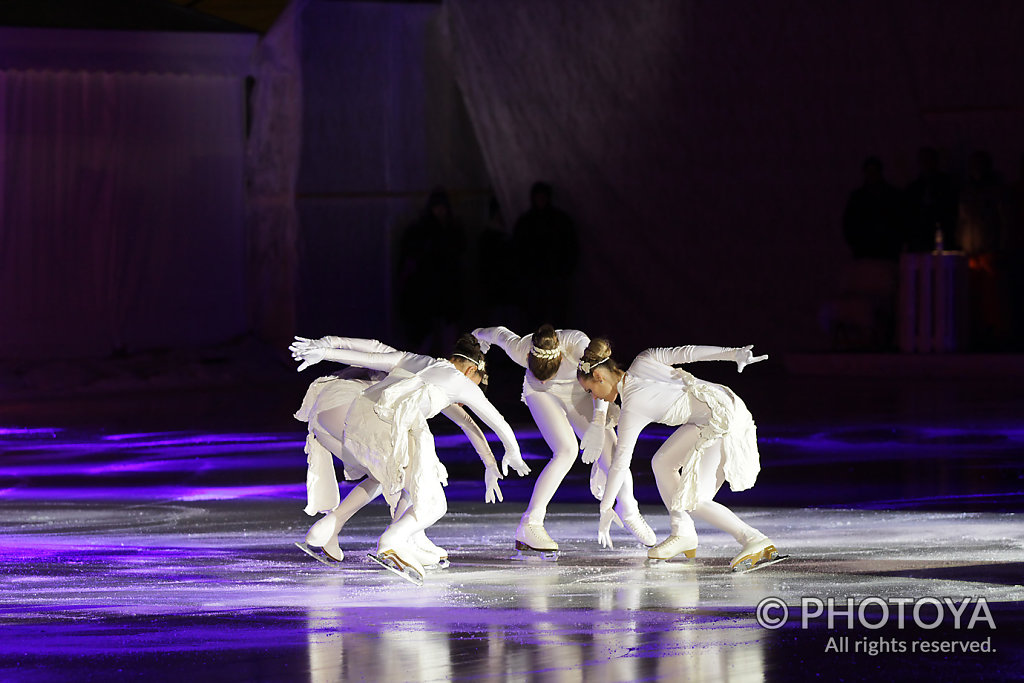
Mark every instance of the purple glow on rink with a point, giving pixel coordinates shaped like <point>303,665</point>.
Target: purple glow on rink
<point>139,546</point>
<point>23,431</point>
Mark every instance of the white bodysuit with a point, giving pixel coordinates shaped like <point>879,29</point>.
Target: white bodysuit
<point>325,407</point>
<point>386,433</point>
<point>716,441</point>
<point>563,411</point>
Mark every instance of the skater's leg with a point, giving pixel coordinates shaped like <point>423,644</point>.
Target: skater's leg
<point>398,539</point>
<point>669,459</point>
<point>357,498</point>
<point>554,426</point>
<point>667,462</point>
<point>710,477</point>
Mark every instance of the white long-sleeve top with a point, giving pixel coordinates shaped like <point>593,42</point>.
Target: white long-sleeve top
<point>454,412</point>
<point>454,386</point>
<point>654,391</point>
<point>572,344</point>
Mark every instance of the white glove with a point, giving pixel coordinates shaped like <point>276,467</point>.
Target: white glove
<point>516,462</point>
<point>598,481</point>
<point>593,442</point>
<point>491,477</point>
<point>745,357</point>
<point>485,346</point>
<point>310,357</point>
<point>604,527</point>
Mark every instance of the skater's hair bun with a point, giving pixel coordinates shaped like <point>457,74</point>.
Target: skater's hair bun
<point>546,339</point>
<point>468,347</point>
<point>598,354</point>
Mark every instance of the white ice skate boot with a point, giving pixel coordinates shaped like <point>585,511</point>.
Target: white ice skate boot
<point>322,540</point>
<point>755,553</point>
<point>672,547</point>
<point>400,559</point>
<point>433,556</point>
<point>637,525</point>
<point>534,539</point>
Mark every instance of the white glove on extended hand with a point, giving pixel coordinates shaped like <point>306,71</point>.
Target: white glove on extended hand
<point>491,477</point>
<point>516,462</point>
<point>593,443</point>
<point>310,357</point>
<point>745,357</point>
<point>604,527</point>
<point>485,346</point>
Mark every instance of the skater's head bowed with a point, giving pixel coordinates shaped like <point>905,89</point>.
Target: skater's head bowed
<point>469,359</point>
<point>598,372</point>
<point>545,356</point>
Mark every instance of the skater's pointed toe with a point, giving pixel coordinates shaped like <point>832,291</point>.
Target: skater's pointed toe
<point>754,552</point>
<point>673,546</point>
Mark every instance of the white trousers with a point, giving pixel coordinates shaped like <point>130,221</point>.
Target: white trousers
<point>669,460</point>
<point>409,520</point>
<point>560,425</point>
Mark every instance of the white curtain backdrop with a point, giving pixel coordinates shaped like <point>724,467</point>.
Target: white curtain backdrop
<point>121,211</point>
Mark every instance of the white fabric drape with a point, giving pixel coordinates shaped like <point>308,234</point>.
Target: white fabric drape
<point>121,211</point>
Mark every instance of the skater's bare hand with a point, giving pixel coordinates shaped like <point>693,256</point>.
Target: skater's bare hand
<point>604,527</point>
<point>491,477</point>
<point>593,443</point>
<point>516,462</point>
<point>310,357</point>
<point>745,357</point>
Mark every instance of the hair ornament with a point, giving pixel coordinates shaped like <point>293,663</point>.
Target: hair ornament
<point>546,354</point>
<point>478,363</point>
<point>586,366</point>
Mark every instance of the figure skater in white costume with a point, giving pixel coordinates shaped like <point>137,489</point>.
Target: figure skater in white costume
<point>715,442</point>
<point>325,408</point>
<point>563,411</point>
<point>386,437</point>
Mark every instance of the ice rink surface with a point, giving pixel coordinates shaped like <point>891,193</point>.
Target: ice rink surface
<point>156,543</point>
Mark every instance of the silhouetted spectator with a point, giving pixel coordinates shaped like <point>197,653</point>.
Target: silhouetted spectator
<point>546,256</point>
<point>979,229</point>
<point>980,234</point>
<point>430,276</point>
<point>931,202</point>
<point>1013,245</point>
<point>871,220</point>
<point>497,267</point>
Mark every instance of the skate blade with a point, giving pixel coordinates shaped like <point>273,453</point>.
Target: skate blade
<point>752,564</point>
<point>524,552</point>
<point>316,554</point>
<point>443,563</point>
<point>686,555</point>
<point>391,562</point>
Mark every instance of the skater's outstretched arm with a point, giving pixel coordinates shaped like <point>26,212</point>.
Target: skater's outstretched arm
<point>517,348</point>
<point>332,342</point>
<point>474,399</point>
<point>476,437</point>
<point>373,361</point>
<point>676,355</point>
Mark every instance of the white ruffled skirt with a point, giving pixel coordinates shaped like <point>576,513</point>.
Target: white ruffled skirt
<point>731,422</point>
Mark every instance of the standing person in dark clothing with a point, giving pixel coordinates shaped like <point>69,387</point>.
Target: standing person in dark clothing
<point>546,255</point>
<point>430,275</point>
<point>871,221</point>
<point>931,202</point>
